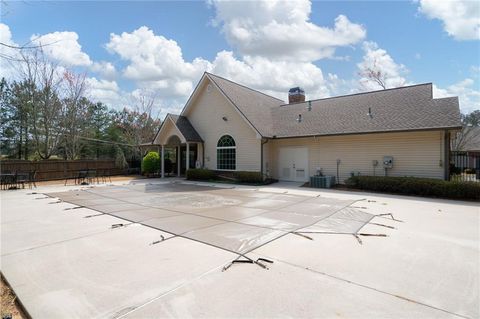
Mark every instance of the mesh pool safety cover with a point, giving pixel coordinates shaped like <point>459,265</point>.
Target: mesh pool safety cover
<point>235,220</point>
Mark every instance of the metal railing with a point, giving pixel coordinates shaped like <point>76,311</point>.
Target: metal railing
<point>465,166</point>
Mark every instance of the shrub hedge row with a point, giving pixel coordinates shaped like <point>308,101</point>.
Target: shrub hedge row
<point>248,177</point>
<point>199,174</point>
<point>240,176</point>
<point>417,186</point>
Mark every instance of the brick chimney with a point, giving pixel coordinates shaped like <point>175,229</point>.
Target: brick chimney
<point>296,95</point>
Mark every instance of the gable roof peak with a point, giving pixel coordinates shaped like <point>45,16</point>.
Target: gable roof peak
<point>244,86</point>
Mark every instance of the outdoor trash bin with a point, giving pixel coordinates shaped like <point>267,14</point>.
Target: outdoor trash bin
<point>322,181</point>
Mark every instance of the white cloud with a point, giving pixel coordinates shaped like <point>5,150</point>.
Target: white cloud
<point>378,60</point>
<point>63,47</point>
<point>461,18</point>
<point>282,30</point>
<point>7,55</point>
<point>272,77</point>
<point>156,61</point>
<point>6,36</point>
<point>160,65</point>
<point>105,91</point>
<point>105,69</point>
<point>467,92</point>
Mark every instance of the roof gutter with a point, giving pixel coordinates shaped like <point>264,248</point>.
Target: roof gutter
<point>373,132</point>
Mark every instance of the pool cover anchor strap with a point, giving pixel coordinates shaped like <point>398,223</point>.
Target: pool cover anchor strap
<point>302,235</point>
<point>357,236</point>
<point>76,207</point>
<point>162,238</point>
<point>120,225</point>
<point>389,214</point>
<point>383,225</point>
<point>248,261</point>
<point>94,215</point>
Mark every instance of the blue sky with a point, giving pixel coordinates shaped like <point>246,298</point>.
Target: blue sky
<point>411,41</point>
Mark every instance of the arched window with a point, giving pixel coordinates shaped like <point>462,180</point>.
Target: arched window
<point>226,153</point>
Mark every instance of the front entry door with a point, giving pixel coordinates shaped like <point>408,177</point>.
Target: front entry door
<point>293,164</point>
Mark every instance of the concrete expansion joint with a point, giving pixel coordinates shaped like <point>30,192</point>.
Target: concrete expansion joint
<point>371,288</point>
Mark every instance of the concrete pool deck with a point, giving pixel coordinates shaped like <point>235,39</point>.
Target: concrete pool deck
<point>65,264</point>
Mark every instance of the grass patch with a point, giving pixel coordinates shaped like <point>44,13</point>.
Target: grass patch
<point>9,303</point>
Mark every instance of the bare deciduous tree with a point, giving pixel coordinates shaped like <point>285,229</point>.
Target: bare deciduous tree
<point>469,133</point>
<point>141,122</point>
<point>374,74</point>
<point>43,81</point>
<point>143,118</point>
<point>75,108</point>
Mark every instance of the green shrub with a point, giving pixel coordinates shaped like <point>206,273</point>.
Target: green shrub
<point>248,177</point>
<point>200,174</point>
<point>417,186</point>
<point>151,163</point>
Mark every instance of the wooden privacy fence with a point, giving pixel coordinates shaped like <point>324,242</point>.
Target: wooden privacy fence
<point>59,169</point>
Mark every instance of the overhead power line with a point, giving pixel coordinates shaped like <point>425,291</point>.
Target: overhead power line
<point>104,141</point>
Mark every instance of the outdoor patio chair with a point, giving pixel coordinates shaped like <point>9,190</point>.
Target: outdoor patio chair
<point>21,178</point>
<point>91,176</point>
<point>81,176</point>
<point>7,180</point>
<point>104,174</point>
<point>32,178</point>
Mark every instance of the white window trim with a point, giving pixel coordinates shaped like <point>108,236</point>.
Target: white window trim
<point>226,148</point>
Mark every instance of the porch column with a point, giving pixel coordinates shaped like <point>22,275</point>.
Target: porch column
<point>178,160</point>
<point>159,151</point>
<point>162,164</point>
<point>187,158</point>
<point>197,159</point>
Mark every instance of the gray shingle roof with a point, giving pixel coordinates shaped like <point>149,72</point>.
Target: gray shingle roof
<point>254,105</point>
<point>186,128</point>
<point>399,109</point>
<point>407,108</point>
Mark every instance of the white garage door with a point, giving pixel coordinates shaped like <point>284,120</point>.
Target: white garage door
<point>293,164</point>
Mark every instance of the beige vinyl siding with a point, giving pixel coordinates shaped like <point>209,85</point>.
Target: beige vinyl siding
<point>206,113</point>
<point>414,153</point>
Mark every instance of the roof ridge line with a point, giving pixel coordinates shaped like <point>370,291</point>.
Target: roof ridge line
<point>360,93</point>
<point>445,97</point>
<point>249,88</point>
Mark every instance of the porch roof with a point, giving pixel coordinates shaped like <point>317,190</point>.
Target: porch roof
<point>184,127</point>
